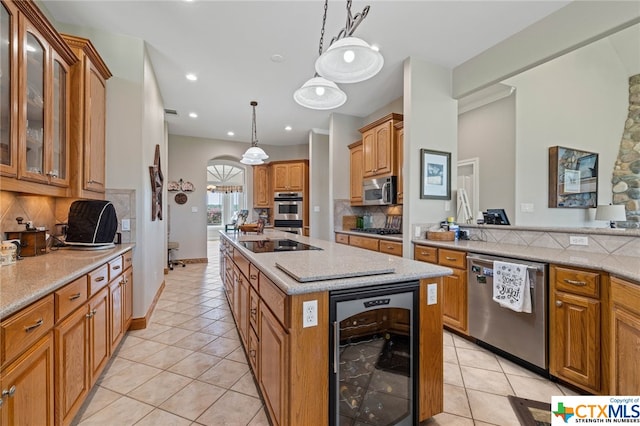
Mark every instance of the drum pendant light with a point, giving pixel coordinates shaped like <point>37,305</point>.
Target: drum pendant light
<point>254,155</point>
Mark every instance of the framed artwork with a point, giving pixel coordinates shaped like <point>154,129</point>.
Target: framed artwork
<point>435,175</point>
<point>573,178</point>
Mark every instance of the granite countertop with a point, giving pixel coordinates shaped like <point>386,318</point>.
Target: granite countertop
<point>391,237</point>
<point>627,267</point>
<point>32,278</point>
<point>335,258</point>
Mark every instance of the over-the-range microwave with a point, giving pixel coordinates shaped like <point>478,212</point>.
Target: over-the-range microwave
<point>379,191</point>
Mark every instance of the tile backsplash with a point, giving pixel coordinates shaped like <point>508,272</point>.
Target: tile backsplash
<point>48,211</point>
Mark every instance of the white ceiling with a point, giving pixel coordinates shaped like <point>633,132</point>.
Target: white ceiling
<point>229,45</point>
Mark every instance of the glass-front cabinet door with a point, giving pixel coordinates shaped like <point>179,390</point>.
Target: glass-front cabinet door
<point>32,164</point>
<point>8,89</point>
<point>57,169</point>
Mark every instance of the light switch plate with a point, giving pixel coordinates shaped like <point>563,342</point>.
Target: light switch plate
<point>194,209</point>
<point>126,225</point>
<point>432,294</point>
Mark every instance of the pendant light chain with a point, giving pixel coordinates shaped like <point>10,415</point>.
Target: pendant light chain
<point>324,21</point>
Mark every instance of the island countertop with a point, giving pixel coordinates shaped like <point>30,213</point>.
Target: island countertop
<point>334,259</point>
<point>32,278</point>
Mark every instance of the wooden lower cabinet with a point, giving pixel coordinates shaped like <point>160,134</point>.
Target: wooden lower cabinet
<point>274,365</point>
<point>364,242</point>
<point>72,364</point>
<point>115,300</point>
<point>575,321</point>
<point>28,385</point>
<point>625,337</point>
<point>454,300</point>
<point>99,338</point>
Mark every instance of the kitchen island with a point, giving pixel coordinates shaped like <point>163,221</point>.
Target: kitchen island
<point>279,287</point>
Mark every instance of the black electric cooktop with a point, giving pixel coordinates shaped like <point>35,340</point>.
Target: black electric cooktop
<point>268,246</point>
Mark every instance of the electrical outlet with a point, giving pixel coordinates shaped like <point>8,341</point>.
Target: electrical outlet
<point>309,313</point>
<point>578,240</point>
<point>432,294</point>
<point>126,225</point>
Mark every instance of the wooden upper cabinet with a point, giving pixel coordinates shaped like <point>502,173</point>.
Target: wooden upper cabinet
<point>379,147</point>
<point>356,173</point>
<point>289,176</point>
<point>262,194</point>
<point>399,129</point>
<point>34,132</point>
<point>8,89</point>
<point>88,116</point>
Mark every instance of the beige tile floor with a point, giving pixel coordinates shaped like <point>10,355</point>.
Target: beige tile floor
<point>188,368</point>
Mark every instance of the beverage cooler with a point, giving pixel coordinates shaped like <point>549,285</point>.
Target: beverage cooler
<point>374,356</point>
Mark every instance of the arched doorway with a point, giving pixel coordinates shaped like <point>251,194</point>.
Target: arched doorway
<point>226,195</point>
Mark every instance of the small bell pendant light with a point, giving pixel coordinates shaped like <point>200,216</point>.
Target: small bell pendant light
<point>254,155</point>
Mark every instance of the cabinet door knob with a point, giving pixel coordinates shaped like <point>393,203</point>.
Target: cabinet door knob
<point>9,392</point>
<point>559,303</point>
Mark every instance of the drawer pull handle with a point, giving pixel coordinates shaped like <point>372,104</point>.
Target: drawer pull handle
<point>116,267</point>
<point>34,326</point>
<point>573,282</point>
<point>253,277</point>
<point>424,253</point>
<point>98,279</point>
<point>127,259</point>
<point>450,258</point>
<point>75,296</point>
<point>9,392</point>
<point>559,303</point>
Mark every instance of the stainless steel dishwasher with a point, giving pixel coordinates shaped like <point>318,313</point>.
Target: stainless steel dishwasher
<point>523,335</point>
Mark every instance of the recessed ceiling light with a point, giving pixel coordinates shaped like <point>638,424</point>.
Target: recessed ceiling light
<point>230,133</point>
<point>277,57</point>
<point>193,115</point>
<point>288,128</point>
<point>191,77</point>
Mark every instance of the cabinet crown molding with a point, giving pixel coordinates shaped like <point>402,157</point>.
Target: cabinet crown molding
<point>390,117</point>
<point>88,49</point>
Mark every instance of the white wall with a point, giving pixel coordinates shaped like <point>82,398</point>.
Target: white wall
<point>319,187</point>
<point>580,101</point>
<point>188,158</point>
<point>489,134</point>
<point>430,121</point>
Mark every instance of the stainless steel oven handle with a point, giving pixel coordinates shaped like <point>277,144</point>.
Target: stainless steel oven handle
<point>336,347</point>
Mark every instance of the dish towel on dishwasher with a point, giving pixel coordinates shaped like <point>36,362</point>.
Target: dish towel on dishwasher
<point>511,287</point>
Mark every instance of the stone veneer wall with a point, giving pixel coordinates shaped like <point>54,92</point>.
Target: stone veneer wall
<point>626,173</point>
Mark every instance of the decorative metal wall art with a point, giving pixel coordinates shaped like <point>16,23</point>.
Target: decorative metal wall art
<point>155,174</point>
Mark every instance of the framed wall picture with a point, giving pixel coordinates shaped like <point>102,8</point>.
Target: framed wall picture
<point>573,178</point>
<point>435,175</point>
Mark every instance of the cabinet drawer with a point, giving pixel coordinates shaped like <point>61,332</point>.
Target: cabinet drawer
<point>127,260</point>
<point>25,327</point>
<point>115,267</point>
<point>253,277</point>
<point>71,297</point>
<point>452,258</point>
<point>425,254</point>
<point>577,281</point>
<point>342,238</point>
<point>98,278</point>
<point>364,242</point>
<point>391,247</point>
<point>241,262</point>
<point>275,299</point>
